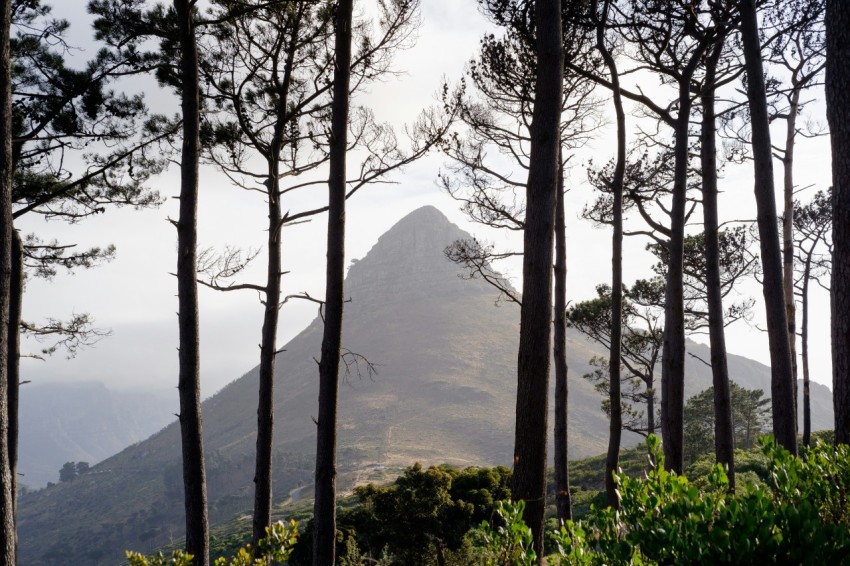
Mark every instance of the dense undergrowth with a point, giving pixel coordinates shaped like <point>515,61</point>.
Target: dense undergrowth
<point>785,510</point>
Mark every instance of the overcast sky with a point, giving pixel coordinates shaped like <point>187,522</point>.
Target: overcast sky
<point>134,295</point>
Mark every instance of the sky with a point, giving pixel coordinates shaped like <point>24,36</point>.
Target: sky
<point>135,295</point>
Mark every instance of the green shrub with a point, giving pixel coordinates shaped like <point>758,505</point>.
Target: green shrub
<point>275,548</point>
<point>420,519</point>
<point>799,516</point>
<point>509,541</point>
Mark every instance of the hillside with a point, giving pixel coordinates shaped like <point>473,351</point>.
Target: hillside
<point>445,393</point>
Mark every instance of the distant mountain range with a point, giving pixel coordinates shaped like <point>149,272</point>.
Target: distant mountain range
<point>444,393</point>
<point>82,422</point>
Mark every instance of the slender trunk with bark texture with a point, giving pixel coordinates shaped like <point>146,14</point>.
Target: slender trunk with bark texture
<point>804,343</point>
<point>615,424</point>
<point>535,340</point>
<point>782,381</point>
<point>268,340</point>
<point>788,232</point>
<point>724,434</point>
<point>7,511</point>
<point>673,348</point>
<point>673,345</point>
<point>563,501</point>
<point>615,421</point>
<point>268,354</point>
<point>838,115</point>
<point>16,295</point>
<point>324,513</point>
<point>189,385</point>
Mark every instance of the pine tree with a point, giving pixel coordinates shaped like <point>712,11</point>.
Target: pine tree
<point>529,480</point>
<point>324,514</point>
<point>782,385</point>
<point>838,115</point>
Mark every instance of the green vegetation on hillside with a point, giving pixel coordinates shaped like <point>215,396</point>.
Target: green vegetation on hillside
<point>785,510</point>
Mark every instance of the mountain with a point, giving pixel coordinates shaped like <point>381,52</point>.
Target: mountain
<point>444,393</point>
<point>82,422</point>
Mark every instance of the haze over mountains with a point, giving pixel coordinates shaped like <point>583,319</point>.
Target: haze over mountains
<point>82,422</point>
<point>444,393</point>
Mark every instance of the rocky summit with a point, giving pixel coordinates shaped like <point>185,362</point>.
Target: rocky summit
<point>444,392</point>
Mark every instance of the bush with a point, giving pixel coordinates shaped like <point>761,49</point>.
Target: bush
<point>510,541</point>
<point>420,519</point>
<point>798,517</point>
<point>275,548</point>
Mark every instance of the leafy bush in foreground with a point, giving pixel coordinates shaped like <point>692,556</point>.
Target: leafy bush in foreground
<point>798,514</point>
<point>275,548</point>
<point>510,543</point>
<point>799,517</point>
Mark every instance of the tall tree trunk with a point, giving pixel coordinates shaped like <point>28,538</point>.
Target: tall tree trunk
<point>838,115</point>
<point>804,343</point>
<point>324,533</point>
<point>615,424</point>
<point>782,381</point>
<point>7,511</point>
<point>673,347</point>
<point>16,295</point>
<point>271,314</point>
<point>563,501</point>
<point>268,355</point>
<point>724,434</point>
<point>529,479</point>
<point>189,385</point>
<point>615,421</point>
<point>788,232</point>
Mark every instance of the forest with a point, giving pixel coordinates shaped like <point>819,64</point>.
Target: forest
<point>271,97</point>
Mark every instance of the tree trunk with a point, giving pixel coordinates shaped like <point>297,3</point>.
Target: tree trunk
<point>615,424</point>
<point>673,348</point>
<point>271,314</point>
<point>782,381</point>
<point>724,434</point>
<point>563,501</point>
<point>268,355</point>
<point>16,294</point>
<point>529,479</point>
<point>324,533</point>
<point>804,342</point>
<point>788,233</point>
<point>7,511</point>
<point>189,385</point>
<point>838,115</point>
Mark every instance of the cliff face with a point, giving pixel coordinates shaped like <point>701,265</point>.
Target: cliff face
<point>444,392</point>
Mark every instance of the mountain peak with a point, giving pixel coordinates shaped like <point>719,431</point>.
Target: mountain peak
<point>425,225</point>
<point>422,215</point>
<point>409,260</point>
